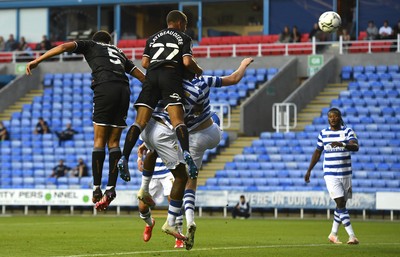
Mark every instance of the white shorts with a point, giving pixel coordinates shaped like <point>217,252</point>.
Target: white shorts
<point>161,187</point>
<point>339,187</point>
<point>200,141</point>
<point>163,140</point>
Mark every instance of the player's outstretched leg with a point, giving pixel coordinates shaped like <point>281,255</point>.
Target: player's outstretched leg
<point>123,169</point>
<point>192,168</point>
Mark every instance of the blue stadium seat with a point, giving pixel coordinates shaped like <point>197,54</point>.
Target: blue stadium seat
<point>241,165</point>
<point>221,174</point>
<point>393,68</point>
<point>369,69</point>
<point>381,69</point>
<point>230,166</point>
<point>234,173</point>
<point>282,173</point>
<point>393,184</point>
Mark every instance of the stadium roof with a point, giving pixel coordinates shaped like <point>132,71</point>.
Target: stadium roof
<point>7,4</point>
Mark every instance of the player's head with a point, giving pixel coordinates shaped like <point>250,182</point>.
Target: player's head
<point>335,118</point>
<point>102,36</point>
<point>177,20</point>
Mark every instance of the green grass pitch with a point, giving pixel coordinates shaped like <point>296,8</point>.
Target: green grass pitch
<point>93,236</point>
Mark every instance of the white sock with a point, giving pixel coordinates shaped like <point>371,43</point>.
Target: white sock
<point>336,223</point>
<point>174,210</point>
<point>179,222</point>
<point>345,218</point>
<point>146,217</point>
<point>189,199</point>
<point>350,231</point>
<point>146,178</point>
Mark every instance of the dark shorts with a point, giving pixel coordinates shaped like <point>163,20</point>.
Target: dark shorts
<point>163,83</point>
<point>111,104</point>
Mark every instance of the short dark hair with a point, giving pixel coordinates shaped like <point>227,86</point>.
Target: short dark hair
<point>176,16</point>
<point>102,36</point>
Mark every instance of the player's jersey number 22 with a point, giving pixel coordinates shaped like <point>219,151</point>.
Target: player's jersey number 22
<point>170,50</point>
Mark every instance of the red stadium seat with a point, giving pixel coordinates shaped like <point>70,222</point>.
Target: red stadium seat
<point>5,57</point>
<point>200,51</point>
<point>256,39</point>
<point>362,35</point>
<point>247,50</point>
<point>205,41</point>
<point>305,37</point>
<point>217,51</point>
<point>380,46</point>
<point>358,47</point>
<point>129,43</point>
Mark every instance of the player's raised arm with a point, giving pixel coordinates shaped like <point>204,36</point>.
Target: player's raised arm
<point>66,47</point>
<point>238,74</point>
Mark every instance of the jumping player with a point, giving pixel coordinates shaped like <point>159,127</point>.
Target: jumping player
<point>166,55</point>
<point>111,102</point>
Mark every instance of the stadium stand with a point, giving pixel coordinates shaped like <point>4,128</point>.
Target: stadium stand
<point>278,161</point>
<point>67,98</point>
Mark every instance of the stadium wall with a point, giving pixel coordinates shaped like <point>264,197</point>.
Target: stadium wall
<point>256,111</point>
<point>277,200</point>
<point>313,85</point>
<point>16,89</point>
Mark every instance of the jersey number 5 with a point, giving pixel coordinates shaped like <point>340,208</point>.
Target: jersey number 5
<point>173,49</point>
<point>113,54</point>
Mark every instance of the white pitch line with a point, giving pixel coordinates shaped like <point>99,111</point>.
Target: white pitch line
<point>209,249</point>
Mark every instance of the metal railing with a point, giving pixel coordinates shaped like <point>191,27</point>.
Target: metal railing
<point>220,109</point>
<point>282,115</point>
<point>233,50</point>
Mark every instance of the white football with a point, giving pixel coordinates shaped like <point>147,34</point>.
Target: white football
<point>329,21</point>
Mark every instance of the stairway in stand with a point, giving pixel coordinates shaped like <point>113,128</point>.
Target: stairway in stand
<point>313,109</point>
<point>17,106</point>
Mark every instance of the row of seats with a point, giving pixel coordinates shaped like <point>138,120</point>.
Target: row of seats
<point>374,85</point>
<point>373,46</point>
<point>299,173</point>
<point>252,50</point>
<point>376,72</point>
<point>373,116</point>
<point>290,188</point>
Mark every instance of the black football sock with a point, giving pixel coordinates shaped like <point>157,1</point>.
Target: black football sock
<point>113,157</point>
<point>98,156</point>
<point>130,140</point>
